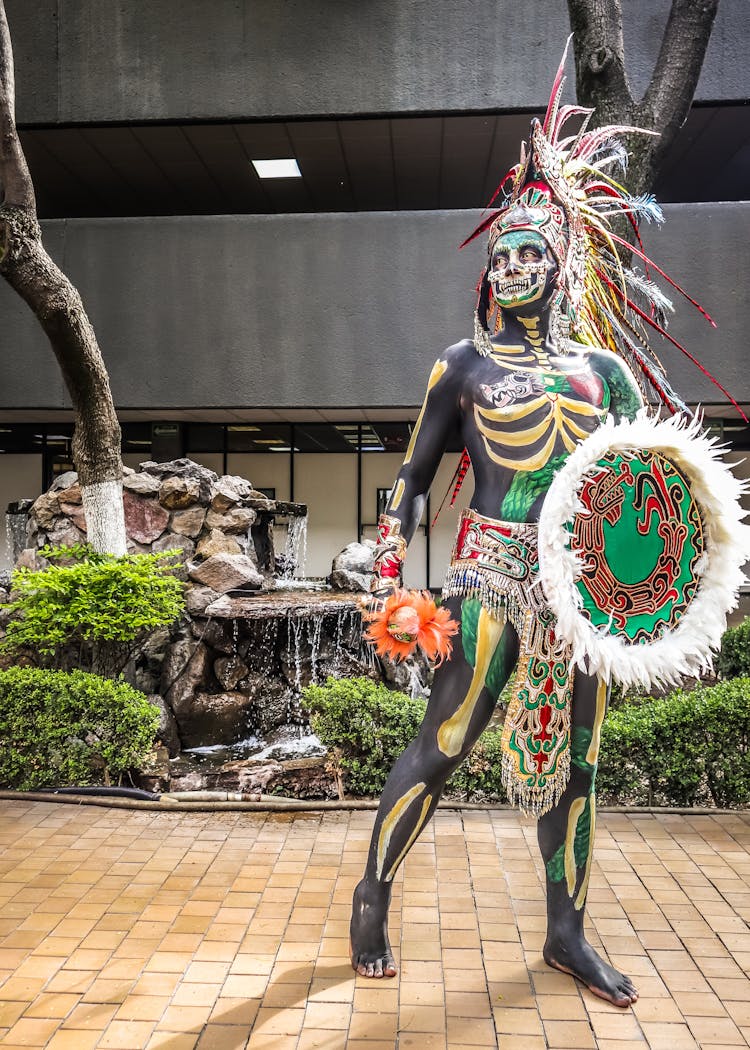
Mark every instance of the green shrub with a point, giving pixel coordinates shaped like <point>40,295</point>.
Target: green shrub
<point>60,729</point>
<point>734,659</point>
<point>366,726</point>
<point>684,749</point>
<point>93,612</point>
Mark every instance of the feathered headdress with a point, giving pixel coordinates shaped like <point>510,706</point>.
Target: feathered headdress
<point>563,187</point>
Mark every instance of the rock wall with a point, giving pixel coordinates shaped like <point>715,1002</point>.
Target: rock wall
<point>219,524</point>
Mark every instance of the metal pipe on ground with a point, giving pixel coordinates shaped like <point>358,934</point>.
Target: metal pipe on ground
<point>221,801</point>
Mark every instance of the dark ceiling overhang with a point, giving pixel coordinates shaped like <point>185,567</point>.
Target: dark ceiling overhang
<point>364,164</point>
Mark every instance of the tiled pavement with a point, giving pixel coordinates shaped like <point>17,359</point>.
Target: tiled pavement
<point>140,929</point>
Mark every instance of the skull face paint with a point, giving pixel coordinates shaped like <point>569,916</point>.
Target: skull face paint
<point>522,269</point>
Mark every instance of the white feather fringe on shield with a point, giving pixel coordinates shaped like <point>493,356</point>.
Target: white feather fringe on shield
<point>686,650</point>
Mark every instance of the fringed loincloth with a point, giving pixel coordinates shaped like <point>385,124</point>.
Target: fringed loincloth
<point>497,562</point>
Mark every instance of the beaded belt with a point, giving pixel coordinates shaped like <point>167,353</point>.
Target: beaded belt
<point>497,562</point>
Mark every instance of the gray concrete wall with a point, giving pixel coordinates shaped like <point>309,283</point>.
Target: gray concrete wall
<point>325,310</point>
<point>139,60</point>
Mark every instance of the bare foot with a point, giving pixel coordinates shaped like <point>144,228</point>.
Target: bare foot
<point>580,960</point>
<point>369,947</point>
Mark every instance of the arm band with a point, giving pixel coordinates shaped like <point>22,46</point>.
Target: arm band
<point>389,553</point>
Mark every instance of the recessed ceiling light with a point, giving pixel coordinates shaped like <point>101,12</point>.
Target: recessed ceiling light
<point>286,168</point>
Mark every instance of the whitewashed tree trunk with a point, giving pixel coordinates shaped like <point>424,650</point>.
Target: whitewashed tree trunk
<point>105,521</point>
<point>27,267</point>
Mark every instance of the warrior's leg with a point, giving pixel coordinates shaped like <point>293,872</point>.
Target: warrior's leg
<point>566,839</point>
<point>463,696</point>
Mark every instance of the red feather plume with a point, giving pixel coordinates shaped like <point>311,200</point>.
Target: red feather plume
<point>411,619</point>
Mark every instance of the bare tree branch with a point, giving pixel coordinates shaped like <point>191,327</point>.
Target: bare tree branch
<point>602,82</point>
<point>14,171</point>
<point>601,77</point>
<point>678,68</point>
<point>26,266</point>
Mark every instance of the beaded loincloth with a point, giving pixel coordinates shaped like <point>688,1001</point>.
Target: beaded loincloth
<point>497,562</point>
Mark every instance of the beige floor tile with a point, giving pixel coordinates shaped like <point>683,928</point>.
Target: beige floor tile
<point>28,1031</point>
<point>184,1018</point>
<point>322,1039</point>
<point>327,1015</point>
<point>21,989</point>
<point>666,1036</point>
<point>377,1000</point>
<point>622,1044</point>
<point>184,931</point>
<point>52,1004</point>
<point>142,1008</point>
<point>511,1042</point>
<point>172,1041</point>
<point>282,1021</point>
<point>715,1030</point>
<point>371,1027</point>
<point>574,1034</point>
<point>378,1044</point>
<point>222,1037</point>
<point>71,1039</point>
<point>561,1008</point>
<point>428,1019</point>
<point>616,1024</point>
<point>421,993</point>
<point>471,1031</point>
<point>518,1022</point>
<point>271,1041</point>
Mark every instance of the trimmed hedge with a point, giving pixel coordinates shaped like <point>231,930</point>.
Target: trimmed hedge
<point>685,749</point>
<point>365,725</point>
<point>63,729</point>
<point>734,659</point>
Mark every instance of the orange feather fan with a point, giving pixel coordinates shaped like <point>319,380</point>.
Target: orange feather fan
<point>408,619</point>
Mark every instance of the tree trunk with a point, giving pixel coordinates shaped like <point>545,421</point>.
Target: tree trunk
<point>602,81</point>
<point>27,267</point>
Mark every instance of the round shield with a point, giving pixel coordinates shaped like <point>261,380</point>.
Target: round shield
<point>640,539</point>
<point>641,548</point>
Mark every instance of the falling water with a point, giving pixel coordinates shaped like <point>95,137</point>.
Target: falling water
<point>261,651</point>
<point>304,635</point>
<point>294,557</point>
<point>415,682</point>
<point>348,630</point>
<point>317,627</point>
<point>234,659</point>
<point>294,647</point>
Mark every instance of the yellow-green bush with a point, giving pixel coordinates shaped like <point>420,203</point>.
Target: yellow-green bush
<point>91,610</point>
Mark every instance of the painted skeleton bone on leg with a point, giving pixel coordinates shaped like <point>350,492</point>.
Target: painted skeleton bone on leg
<point>549,396</point>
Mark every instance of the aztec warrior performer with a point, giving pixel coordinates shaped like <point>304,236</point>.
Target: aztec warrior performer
<point>529,394</point>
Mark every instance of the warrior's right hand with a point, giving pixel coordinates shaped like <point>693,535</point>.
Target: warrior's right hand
<point>380,591</point>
